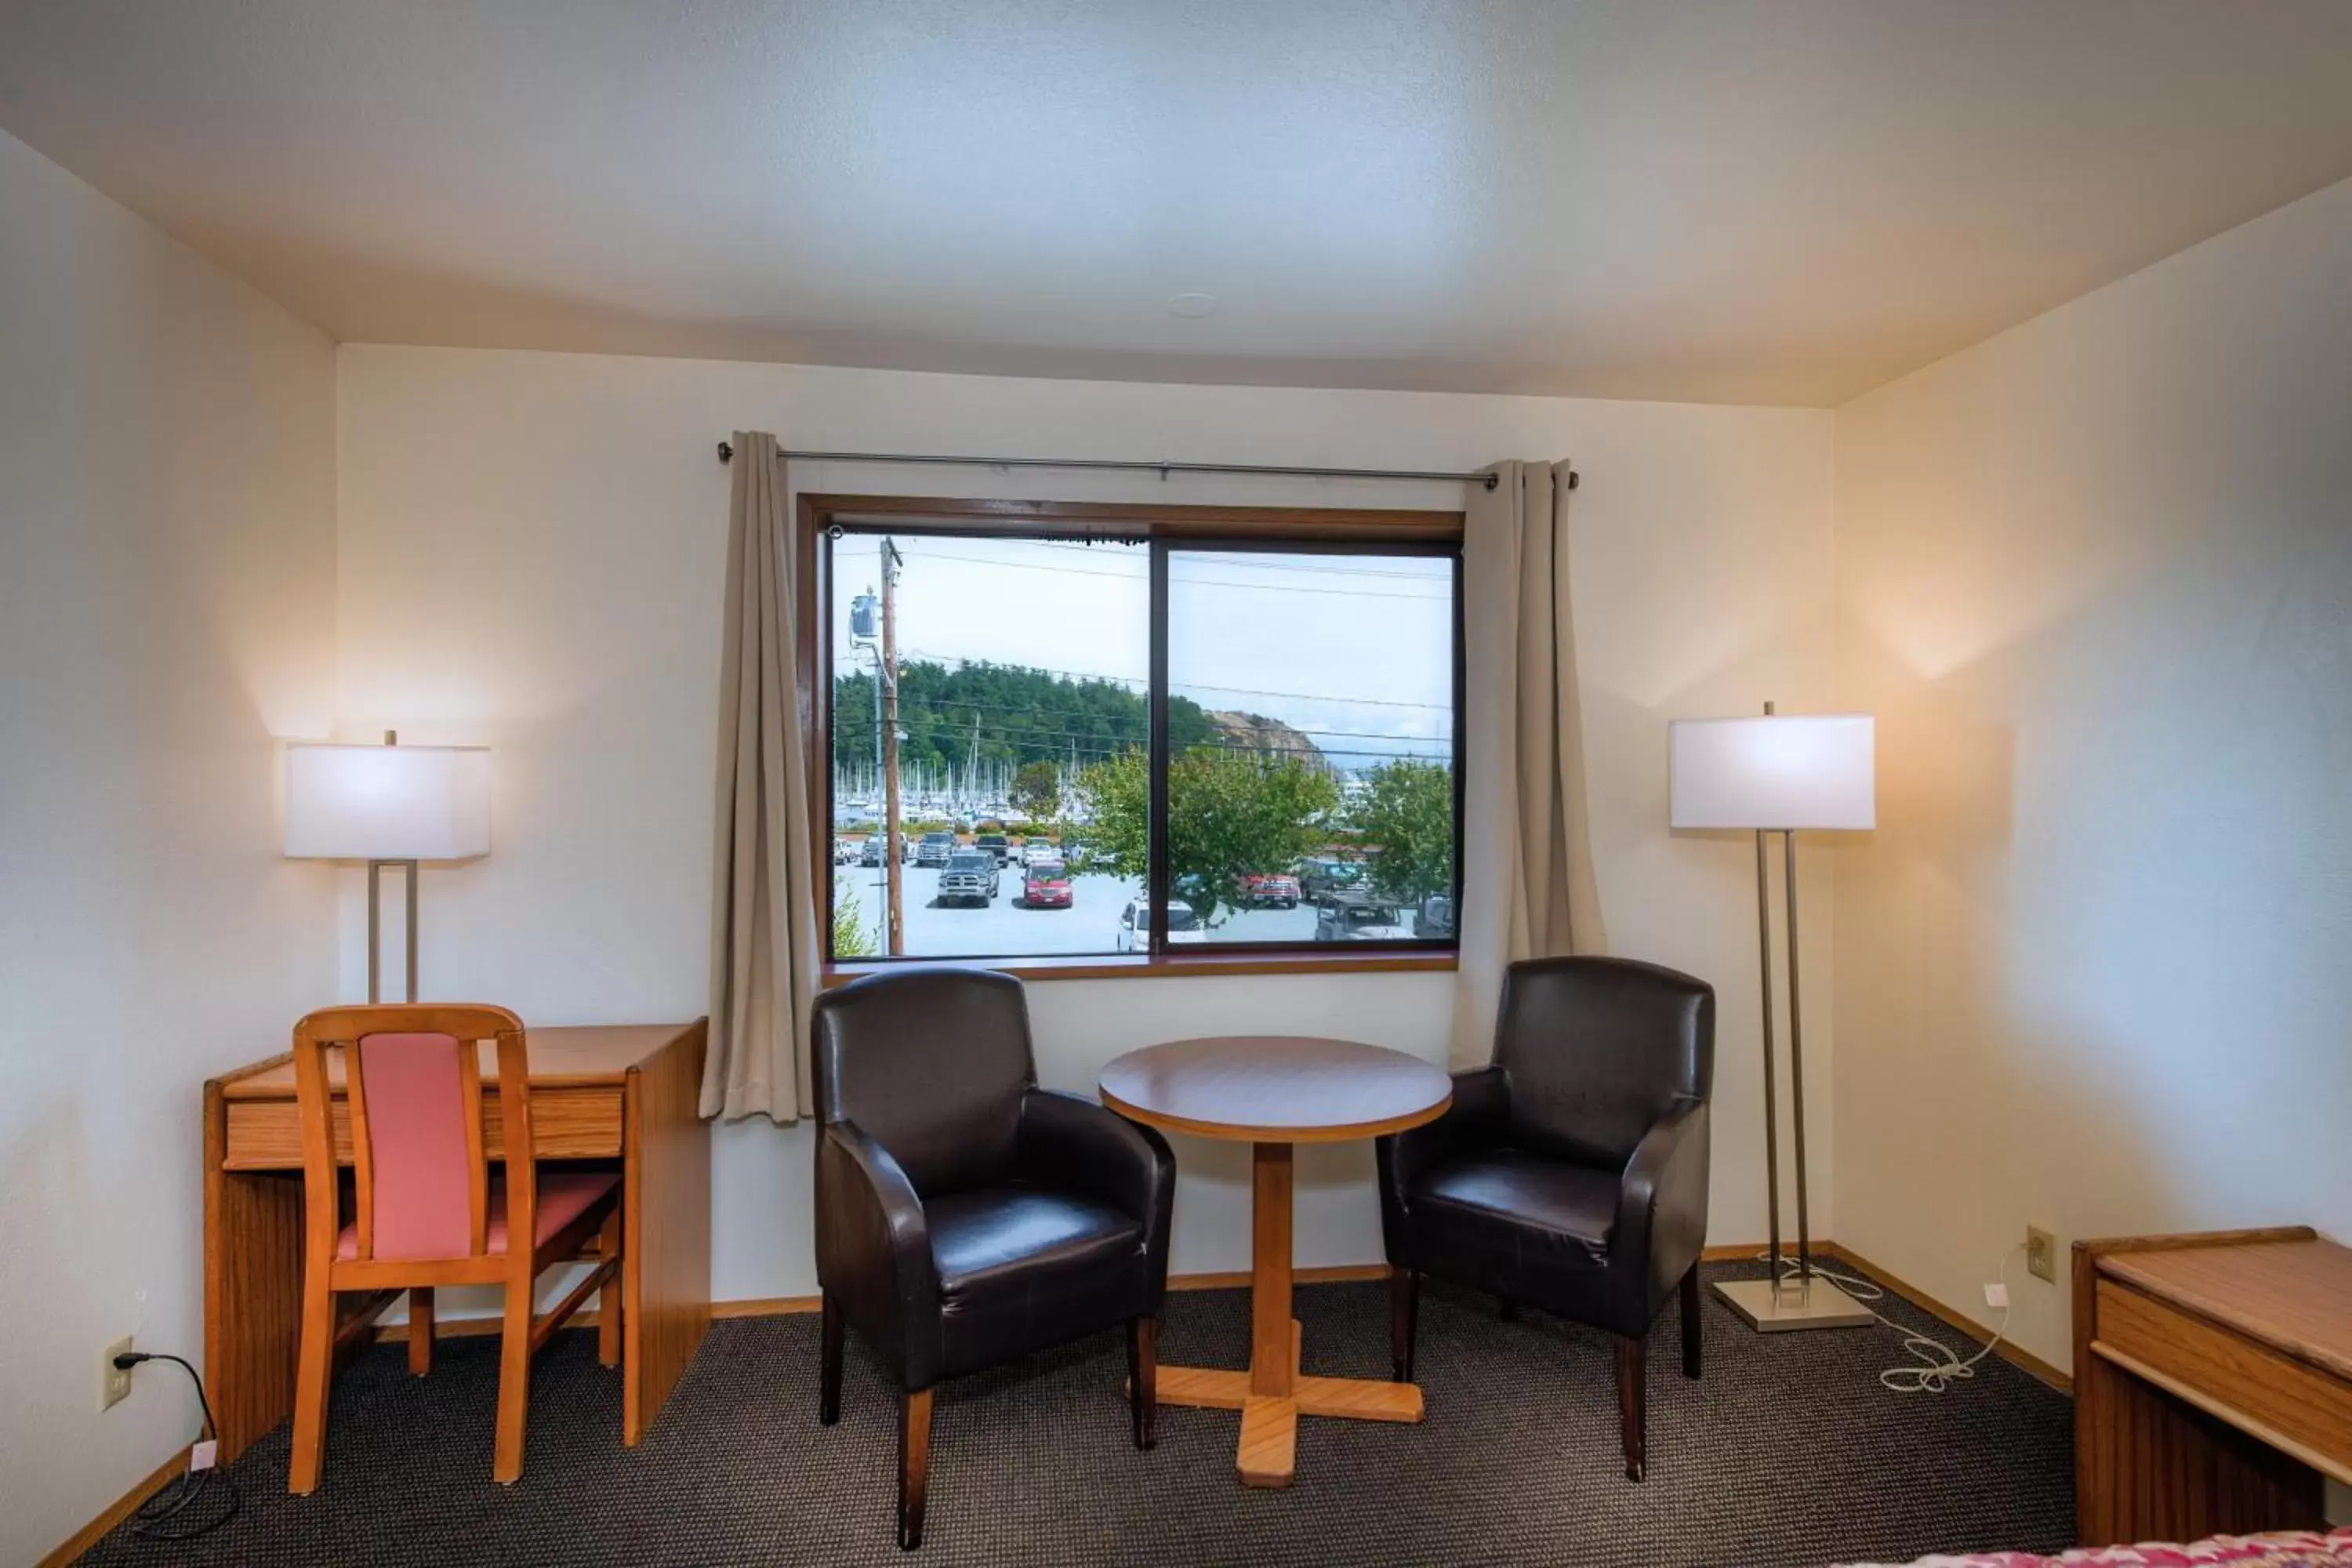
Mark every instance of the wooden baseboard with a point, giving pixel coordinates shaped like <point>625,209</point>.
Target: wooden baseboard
<point>2023,1360</point>
<point>1356,1273</point>
<point>1217,1279</point>
<point>124,1507</point>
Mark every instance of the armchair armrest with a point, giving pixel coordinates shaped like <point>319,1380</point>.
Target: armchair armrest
<point>1476,1116</point>
<point>1481,1100</point>
<point>1662,1198</point>
<point>1072,1143</point>
<point>874,1250</point>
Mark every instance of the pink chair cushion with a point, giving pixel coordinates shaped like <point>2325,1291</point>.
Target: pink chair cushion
<point>416,1132</point>
<point>563,1196</point>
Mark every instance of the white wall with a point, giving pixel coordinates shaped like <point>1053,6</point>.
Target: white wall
<point>530,557</point>
<point>2096,579</point>
<point>166,608</point>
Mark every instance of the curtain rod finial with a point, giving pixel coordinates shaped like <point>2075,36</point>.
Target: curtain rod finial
<point>726,452</point>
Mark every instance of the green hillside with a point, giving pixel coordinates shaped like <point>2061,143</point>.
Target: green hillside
<point>1022,716</point>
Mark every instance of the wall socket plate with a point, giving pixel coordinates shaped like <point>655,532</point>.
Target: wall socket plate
<point>113,1381</point>
<point>2041,1254</point>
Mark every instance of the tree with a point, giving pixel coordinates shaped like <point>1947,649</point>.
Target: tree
<point>851,937</point>
<point>1230,815</point>
<point>1405,820</point>
<point>1038,792</point>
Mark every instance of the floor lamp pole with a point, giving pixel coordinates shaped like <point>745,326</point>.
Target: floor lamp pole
<point>1810,1301</point>
<point>376,927</point>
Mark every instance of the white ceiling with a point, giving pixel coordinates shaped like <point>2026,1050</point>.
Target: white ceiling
<point>1784,201</point>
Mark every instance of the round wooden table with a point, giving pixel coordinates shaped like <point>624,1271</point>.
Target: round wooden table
<point>1272,1091</point>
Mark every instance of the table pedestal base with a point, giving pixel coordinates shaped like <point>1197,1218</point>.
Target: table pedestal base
<point>1273,1393</point>
<point>1267,1456</point>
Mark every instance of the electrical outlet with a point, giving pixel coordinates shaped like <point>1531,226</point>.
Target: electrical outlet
<point>113,1381</point>
<point>1997,1295</point>
<point>2041,1254</point>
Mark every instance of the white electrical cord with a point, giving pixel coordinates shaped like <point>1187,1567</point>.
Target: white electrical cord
<point>1936,1367</point>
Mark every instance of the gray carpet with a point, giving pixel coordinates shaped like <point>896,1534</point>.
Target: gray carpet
<point>1787,1452</point>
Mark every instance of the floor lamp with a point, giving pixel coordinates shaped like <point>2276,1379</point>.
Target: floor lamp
<point>388,805</point>
<point>1782,775</point>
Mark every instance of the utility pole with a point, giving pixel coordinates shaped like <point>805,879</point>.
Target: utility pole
<point>890,687</point>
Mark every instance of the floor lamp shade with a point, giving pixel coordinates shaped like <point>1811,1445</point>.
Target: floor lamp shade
<point>1797,773</point>
<point>387,802</point>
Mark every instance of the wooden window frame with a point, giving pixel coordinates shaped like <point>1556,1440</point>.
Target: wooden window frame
<point>1326,528</point>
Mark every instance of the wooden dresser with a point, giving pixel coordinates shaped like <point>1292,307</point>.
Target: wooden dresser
<point>2213,1383</point>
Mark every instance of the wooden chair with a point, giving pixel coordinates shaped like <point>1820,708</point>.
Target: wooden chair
<point>427,1209</point>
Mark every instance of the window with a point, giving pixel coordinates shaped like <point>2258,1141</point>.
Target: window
<point>1170,731</point>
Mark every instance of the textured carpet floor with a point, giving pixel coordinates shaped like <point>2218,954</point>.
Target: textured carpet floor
<point>1787,1452</point>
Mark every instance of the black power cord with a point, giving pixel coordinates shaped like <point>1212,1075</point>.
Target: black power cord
<point>167,1516</point>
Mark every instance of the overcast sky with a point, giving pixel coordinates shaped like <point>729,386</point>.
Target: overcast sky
<point>1355,650</point>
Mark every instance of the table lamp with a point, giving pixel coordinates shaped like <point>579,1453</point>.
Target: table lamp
<point>1782,775</point>
<point>389,805</point>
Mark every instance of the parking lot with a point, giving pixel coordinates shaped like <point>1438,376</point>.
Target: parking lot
<point>1003,929</point>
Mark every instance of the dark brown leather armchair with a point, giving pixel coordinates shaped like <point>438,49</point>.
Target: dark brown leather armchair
<point>1572,1172</point>
<point>965,1217</point>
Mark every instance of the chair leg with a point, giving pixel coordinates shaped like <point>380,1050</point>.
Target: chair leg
<point>1631,1401</point>
<point>314,1371</point>
<point>420,1330</point>
<point>1143,1378</point>
<point>1404,1319</point>
<point>914,1466</point>
<point>1693,1322</point>
<point>828,1361</point>
<point>608,1298</point>
<point>514,1381</point>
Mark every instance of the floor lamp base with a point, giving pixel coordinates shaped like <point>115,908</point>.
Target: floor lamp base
<point>1772,1308</point>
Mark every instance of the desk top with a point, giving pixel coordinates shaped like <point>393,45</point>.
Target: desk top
<point>2294,1296</point>
<point>1275,1088</point>
<point>559,1057</point>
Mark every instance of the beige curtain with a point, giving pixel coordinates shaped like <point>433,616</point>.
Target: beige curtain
<point>1528,887</point>
<point>763,936</point>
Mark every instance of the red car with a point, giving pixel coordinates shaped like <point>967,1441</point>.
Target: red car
<point>1046,886</point>
<point>1270,890</point>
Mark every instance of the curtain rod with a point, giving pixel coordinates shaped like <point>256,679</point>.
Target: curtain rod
<point>1485,482</point>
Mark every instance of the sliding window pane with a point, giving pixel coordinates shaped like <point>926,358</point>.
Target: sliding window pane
<point>1310,788</point>
<point>1021,665</point>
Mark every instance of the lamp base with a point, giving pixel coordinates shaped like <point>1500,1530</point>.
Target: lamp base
<point>1772,1308</point>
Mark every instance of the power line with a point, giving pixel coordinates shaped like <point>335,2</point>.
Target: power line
<point>961,661</point>
<point>1187,582</point>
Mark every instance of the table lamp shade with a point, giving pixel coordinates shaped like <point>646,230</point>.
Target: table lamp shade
<point>387,802</point>
<point>1786,771</point>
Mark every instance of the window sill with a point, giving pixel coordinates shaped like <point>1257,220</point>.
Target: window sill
<point>1140,966</point>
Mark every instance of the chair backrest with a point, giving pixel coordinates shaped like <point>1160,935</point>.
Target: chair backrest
<point>413,1087</point>
<point>932,1064</point>
<point>1595,1050</point>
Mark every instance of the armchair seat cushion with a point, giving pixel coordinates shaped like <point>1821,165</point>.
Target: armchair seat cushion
<point>1511,1202</point>
<point>1022,1266</point>
<point>985,1238</point>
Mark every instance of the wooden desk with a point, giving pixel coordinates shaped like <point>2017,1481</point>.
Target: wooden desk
<point>627,1093</point>
<point>2213,1383</point>
<point>1271,1092</point>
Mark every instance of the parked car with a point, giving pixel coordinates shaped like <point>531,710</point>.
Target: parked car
<point>870,853</point>
<point>1046,886</point>
<point>1037,852</point>
<point>1434,919</point>
<point>1269,891</point>
<point>969,878</point>
<point>844,851</point>
<point>936,849</point>
<point>1319,879</point>
<point>1135,926</point>
<point>1347,919</point>
<point>996,844</point>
